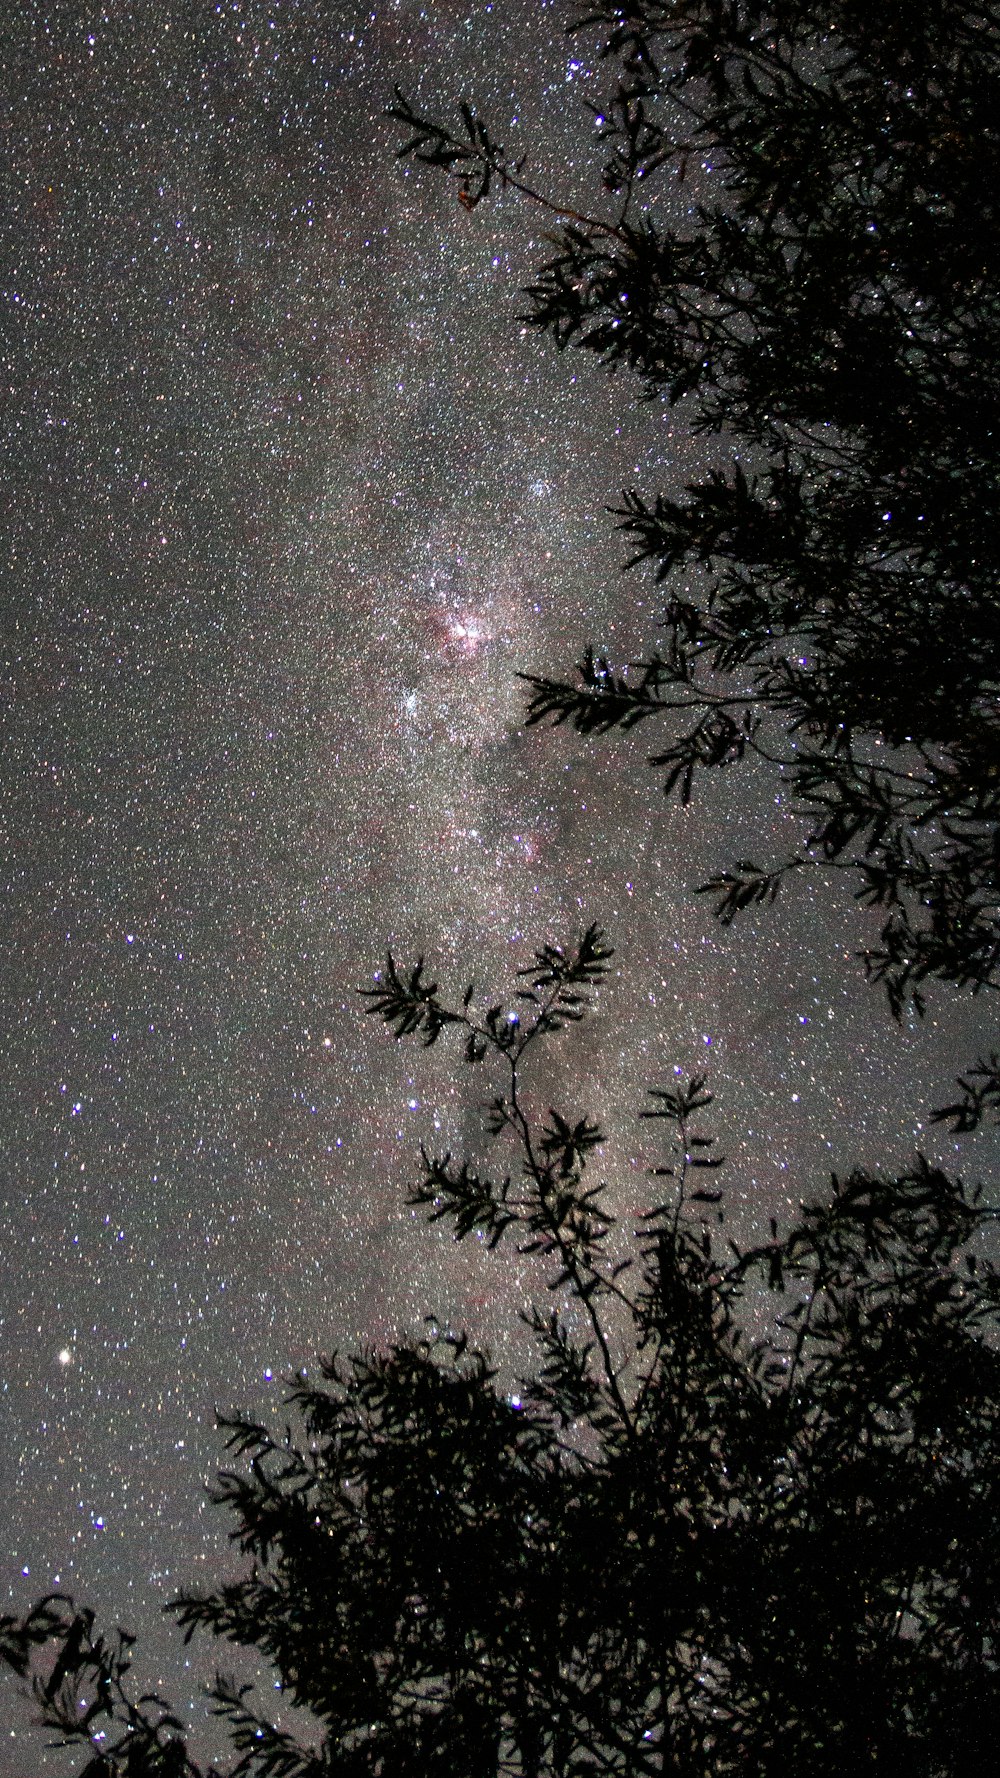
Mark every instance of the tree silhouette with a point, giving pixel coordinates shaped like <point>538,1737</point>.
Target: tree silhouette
<point>740,1515</point>
<point>678,1545</point>
<point>824,300</point>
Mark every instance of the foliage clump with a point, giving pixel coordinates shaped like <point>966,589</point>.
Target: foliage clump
<point>795,242</point>
<point>678,1544</point>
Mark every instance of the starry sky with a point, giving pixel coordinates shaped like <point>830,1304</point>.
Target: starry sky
<point>288,500</point>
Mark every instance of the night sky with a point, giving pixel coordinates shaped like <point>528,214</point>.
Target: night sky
<point>289,498</point>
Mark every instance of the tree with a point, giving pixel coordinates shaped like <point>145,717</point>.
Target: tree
<point>681,1544</point>
<point>826,303</point>
<point>676,1546</point>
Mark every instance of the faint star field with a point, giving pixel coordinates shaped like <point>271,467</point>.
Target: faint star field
<point>289,499</point>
